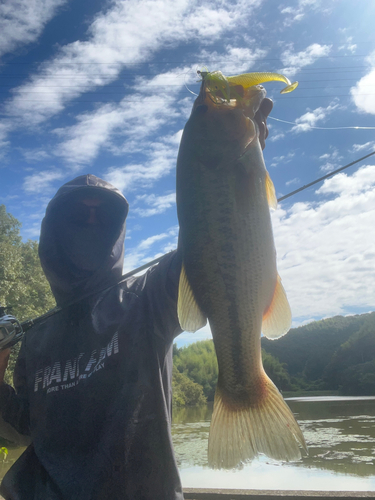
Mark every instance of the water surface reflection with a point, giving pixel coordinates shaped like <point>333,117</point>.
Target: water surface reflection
<point>339,431</point>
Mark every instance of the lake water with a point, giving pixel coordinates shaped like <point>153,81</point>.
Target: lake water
<point>340,435</point>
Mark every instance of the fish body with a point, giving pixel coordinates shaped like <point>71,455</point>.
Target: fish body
<point>229,275</point>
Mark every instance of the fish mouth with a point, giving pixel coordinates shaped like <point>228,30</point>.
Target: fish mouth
<point>234,119</point>
<point>246,99</point>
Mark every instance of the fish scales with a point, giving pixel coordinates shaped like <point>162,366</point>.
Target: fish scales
<point>229,276</point>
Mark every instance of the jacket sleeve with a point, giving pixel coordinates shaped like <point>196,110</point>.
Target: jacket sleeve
<point>14,405</point>
<point>162,293</point>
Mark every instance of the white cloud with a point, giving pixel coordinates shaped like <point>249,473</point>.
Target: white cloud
<point>32,231</point>
<point>328,167</point>
<point>282,159</point>
<point>294,61</point>
<point>150,249</point>
<point>121,36</point>
<point>311,118</point>
<point>326,250</point>
<point>160,160</point>
<point>83,140</point>
<point>297,12</point>
<point>276,137</point>
<point>157,204</point>
<point>234,60</point>
<point>363,147</point>
<point>35,155</point>
<point>4,130</point>
<point>40,182</point>
<point>296,180</point>
<point>22,21</point>
<point>344,184</point>
<point>148,242</point>
<point>294,15</point>
<point>362,94</point>
<point>175,139</point>
<point>349,45</point>
<point>136,116</point>
<point>332,160</point>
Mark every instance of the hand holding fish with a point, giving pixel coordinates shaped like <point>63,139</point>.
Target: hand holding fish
<point>229,273</point>
<point>260,117</point>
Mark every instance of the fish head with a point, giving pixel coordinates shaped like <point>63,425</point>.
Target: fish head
<point>248,99</point>
<point>221,130</point>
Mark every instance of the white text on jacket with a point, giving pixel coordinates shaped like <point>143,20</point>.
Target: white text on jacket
<point>64,375</point>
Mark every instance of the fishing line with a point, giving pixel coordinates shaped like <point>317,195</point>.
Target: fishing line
<point>131,273</point>
<point>187,88</point>
<point>145,266</point>
<point>324,177</point>
<point>320,128</point>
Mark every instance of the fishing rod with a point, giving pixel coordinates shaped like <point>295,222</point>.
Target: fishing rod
<point>12,331</point>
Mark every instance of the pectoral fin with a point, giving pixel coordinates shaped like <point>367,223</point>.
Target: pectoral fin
<point>277,319</point>
<point>270,192</point>
<point>190,316</point>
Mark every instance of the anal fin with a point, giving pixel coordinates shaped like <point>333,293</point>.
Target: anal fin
<point>277,319</point>
<point>190,316</point>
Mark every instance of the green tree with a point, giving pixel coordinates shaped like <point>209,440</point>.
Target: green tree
<point>9,227</point>
<point>359,380</point>
<point>185,391</point>
<point>350,368</point>
<point>276,371</point>
<point>198,362</point>
<point>23,285</point>
<point>309,349</point>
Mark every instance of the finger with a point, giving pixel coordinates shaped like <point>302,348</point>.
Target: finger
<point>261,117</point>
<point>263,132</point>
<point>266,107</point>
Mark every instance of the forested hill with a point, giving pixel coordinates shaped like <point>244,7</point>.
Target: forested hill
<point>322,353</point>
<point>333,354</point>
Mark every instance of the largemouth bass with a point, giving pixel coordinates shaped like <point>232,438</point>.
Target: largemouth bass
<point>229,274</point>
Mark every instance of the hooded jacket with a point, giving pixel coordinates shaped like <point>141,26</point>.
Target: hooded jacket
<point>93,382</point>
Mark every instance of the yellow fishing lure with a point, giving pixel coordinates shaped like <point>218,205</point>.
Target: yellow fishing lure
<point>217,82</point>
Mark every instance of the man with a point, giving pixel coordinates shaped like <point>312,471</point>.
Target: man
<point>93,382</point>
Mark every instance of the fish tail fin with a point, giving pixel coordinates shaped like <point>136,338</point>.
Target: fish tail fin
<point>267,426</point>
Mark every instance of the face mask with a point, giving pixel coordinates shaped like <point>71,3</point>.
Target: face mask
<point>86,234</point>
<point>86,246</point>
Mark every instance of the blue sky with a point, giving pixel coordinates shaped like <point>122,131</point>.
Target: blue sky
<point>102,88</point>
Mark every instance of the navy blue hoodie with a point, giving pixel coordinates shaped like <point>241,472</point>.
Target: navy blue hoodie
<point>93,382</point>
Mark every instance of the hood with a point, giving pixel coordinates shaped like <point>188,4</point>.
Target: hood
<point>68,281</point>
